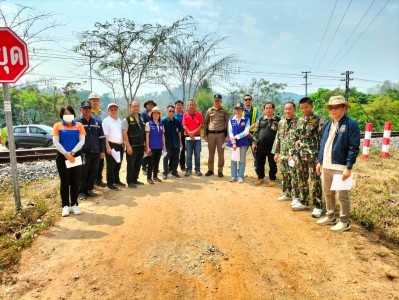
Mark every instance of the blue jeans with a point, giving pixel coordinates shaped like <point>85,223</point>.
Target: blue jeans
<point>240,164</point>
<point>193,146</point>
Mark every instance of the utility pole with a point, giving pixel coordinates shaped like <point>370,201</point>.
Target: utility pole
<point>347,79</point>
<point>306,81</point>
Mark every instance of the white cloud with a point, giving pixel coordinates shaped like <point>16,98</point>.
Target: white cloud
<point>250,28</point>
<point>152,6</point>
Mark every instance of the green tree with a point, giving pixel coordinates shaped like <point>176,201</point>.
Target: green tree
<point>204,101</point>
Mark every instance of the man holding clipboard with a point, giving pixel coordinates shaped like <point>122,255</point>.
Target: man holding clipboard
<point>338,151</point>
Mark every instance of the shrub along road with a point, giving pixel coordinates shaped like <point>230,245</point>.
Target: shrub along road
<point>201,238</point>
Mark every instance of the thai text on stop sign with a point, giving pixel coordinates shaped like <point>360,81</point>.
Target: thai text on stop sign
<point>13,56</point>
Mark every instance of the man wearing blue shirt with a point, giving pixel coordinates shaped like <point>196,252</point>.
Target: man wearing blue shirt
<point>179,112</point>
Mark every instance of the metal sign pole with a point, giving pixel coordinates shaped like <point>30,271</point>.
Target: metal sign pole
<point>11,146</point>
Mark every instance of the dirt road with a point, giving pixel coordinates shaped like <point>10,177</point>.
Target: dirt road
<point>201,238</point>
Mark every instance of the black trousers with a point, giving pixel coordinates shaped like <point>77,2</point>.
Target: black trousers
<point>144,163</point>
<point>261,155</point>
<point>134,164</point>
<point>99,176</point>
<point>153,163</point>
<point>182,160</point>
<point>89,171</point>
<point>113,167</point>
<point>70,180</point>
<point>171,161</point>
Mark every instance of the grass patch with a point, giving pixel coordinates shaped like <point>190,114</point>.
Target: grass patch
<point>375,197</point>
<point>18,229</point>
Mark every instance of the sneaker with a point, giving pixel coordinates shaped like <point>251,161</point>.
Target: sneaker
<point>299,207</point>
<point>232,179</point>
<point>76,210</point>
<point>112,187</point>
<point>65,211</point>
<point>272,183</point>
<point>220,174</point>
<point>120,183</point>
<point>176,175</point>
<point>100,183</point>
<point>164,176</point>
<point>341,226</point>
<point>188,173</point>
<point>295,202</point>
<point>259,182</point>
<point>150,181</point>
<point>209,173</point>
<point>326,221</point>
<point>156,179</point>
<point>91,194</point>
<point>284,197</point>
<point>198,173</point>
<point>316,213</point>
<point>132,186</point>
<point>82,196</point>
<point>138,182</point>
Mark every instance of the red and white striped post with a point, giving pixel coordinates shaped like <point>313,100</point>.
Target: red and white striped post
<point>386,139</point>
<point>367,140</point>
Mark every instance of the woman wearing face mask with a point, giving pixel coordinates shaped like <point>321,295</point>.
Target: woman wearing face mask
<point>68,139</point>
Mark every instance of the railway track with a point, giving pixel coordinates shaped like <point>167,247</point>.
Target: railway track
<point>26,155</point>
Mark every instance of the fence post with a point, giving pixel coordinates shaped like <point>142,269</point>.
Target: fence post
<point>386,139</point>
<point>367,140</point>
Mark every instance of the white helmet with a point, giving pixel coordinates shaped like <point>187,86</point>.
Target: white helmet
<point>94,96</point>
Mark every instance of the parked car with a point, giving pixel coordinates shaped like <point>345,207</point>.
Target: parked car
<point>30,136</point>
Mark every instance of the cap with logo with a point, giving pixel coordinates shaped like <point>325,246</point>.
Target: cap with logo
<point>239,105</point>
<point>217,96</point>
<point>85,104</point>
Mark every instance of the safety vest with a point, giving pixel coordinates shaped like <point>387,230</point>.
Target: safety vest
<point>253,118</point>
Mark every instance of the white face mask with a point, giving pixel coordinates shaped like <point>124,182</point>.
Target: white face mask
<point>68,118</point>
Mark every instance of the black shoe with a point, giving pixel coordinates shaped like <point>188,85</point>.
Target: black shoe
<point>220,174</point>
<point>209,173</point>
<point>91,194</point>
<point>82,196</point>
<point>138,182</point>
<point>176,175</point>
<point>120,183</point>
<point>112,187</point>
<point>132,186</point>
<point>198,173</point>
<point>100,183</point>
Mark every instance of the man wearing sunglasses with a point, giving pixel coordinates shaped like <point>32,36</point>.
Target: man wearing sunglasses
<point>253,114</point>
<point>173,129</point>
<point>339,148</point>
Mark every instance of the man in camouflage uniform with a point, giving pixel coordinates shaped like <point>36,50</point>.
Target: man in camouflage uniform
<point>306,148</point>
<point>281,150</point>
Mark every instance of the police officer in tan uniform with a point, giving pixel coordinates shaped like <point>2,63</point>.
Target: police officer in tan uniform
<point>216,121</point>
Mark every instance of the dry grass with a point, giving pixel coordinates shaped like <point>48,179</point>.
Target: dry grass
<point>375,197</point>
<point>40,208</point>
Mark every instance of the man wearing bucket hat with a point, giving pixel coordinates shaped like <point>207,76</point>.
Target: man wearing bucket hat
<point>338,151</point>
<point>98,114</point>
<point>148,105</point>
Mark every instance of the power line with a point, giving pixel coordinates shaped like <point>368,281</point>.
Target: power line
<point>344,44</point>
<point>325,31</point>
<point>339,25</point>
<point>372,21</point>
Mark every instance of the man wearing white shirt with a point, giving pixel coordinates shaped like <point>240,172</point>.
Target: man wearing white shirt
<point>112,127</point>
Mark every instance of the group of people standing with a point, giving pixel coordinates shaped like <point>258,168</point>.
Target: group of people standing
<point>305,148</point>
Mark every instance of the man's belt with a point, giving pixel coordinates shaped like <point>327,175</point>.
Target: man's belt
<point>216,131</point>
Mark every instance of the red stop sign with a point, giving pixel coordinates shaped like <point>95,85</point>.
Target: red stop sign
<point>13,56</point>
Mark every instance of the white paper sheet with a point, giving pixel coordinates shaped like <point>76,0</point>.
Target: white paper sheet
<point>78,162</point>
<point>339,185</point>
<point>116,155</point>
<point>235,155</point>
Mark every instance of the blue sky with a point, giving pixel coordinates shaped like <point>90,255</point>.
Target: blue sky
<point>276,40</point>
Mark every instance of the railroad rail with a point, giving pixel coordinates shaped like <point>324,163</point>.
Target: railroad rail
<point>26,155</point>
